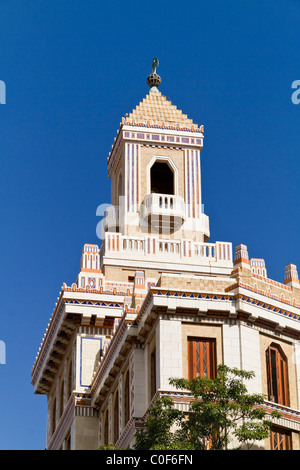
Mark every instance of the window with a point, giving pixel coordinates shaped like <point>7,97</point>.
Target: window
<point>280,439</point>
<point>68,443</point>
<point>152,373</point>
<point>70,381</point>
<point>162,178</point>
<point>126,398</point>
<point>105,428</point>
<point>116,417</point>
<point>277,375</point>
<point>201,357</point>
<point>61,398</point>
<point>54,415</point>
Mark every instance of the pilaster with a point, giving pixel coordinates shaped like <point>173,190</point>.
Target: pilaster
<point>169,352</point>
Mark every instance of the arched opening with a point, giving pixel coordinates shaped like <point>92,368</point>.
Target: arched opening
<point>162,178</point>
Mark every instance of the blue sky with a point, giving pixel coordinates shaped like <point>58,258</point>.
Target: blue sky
<point>72,69</point>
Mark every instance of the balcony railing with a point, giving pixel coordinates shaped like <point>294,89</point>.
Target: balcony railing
<point>157,249</point>
<point>164,204</point>
<point>163,211</point>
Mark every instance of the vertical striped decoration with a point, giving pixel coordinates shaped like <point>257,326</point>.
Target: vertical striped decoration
<point>127,175</point>
<point>132,176</point>
<point>193,183</point>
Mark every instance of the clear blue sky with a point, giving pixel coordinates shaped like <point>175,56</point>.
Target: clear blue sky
<point>72,69</point>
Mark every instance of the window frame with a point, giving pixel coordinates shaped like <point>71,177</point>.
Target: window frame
<point>277,375</point>
<point>162,178</point>
<point>169,161</point>
<point>211,365</point>
<point>282,435</point>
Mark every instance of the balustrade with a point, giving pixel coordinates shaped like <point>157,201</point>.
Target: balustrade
<point>176,250</point>
<point>163,205</point>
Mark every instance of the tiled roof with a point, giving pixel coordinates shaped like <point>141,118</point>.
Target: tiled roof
<point>157,109</point>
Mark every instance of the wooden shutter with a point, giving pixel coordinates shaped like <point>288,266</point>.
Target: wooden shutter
<point>280,439</point>
<point>201,357</point>
<point>277,375</point>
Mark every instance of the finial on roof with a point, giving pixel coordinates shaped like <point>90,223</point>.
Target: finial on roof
<point>154,79</point>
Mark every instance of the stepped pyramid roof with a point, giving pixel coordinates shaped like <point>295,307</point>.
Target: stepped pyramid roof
<point>156,109</point>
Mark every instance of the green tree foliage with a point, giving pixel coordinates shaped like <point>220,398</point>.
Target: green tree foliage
<point>158,432</point>
<point>221,410</point>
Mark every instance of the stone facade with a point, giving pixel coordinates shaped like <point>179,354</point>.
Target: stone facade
<point>122,329</point>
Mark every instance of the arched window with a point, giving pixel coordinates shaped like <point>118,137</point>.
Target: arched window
<point>277,375</point>
<point>162,178</point>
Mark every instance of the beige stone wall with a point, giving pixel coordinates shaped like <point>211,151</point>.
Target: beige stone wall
<point>85,434</point>
<point>166,281</point>
<point>295,441</point>
<point>195,283</point>
<point>122,275</point>
<point>269,286</point>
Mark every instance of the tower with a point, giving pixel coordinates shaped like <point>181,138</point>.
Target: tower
<point>156,292</point>
<point>156,213</point>
<point>154,166</point>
